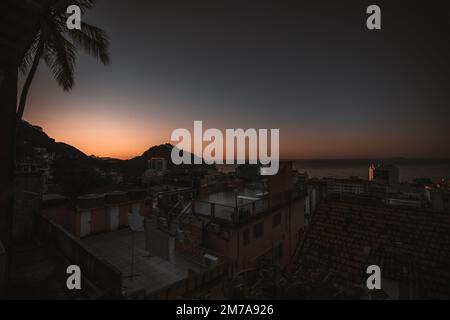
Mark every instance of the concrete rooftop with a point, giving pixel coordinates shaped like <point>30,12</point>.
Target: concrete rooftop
<point>225,202</point>
<point>232,199</point>
<point>150,273</point>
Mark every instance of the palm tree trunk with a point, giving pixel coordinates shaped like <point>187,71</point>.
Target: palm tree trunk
<point>29,80</point>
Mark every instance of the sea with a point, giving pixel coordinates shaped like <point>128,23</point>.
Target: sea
<point>435,170</point>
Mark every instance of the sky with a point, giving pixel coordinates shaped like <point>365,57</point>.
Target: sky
<point>309,68</point>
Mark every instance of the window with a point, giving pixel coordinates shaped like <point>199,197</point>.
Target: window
<point>258,230</point>
<point>276,220</point>
<point>279,251</point>
<point>246,236</point>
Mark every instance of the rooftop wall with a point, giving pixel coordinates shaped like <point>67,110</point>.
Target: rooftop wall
<point>193,283</point>
<point>98,271</point>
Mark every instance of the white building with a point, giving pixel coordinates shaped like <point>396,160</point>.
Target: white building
<point>350,186</point>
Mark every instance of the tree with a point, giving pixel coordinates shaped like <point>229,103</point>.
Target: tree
<point>51,43</point>
<point>17,25</point>
<point>31,31</point>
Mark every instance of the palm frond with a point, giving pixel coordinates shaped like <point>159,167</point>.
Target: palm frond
<point>61,58</point>
<point>28,58</point>
<point>58,52</point>
<point>94,41</point>
<point>59,7</point>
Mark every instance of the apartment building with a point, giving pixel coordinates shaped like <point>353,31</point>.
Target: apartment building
<point>244,226</point>
<point>346,186</point>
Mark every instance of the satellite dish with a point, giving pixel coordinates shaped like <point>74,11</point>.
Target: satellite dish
<point>136,222</point>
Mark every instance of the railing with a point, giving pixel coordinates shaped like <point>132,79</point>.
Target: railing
<point>242,212</point>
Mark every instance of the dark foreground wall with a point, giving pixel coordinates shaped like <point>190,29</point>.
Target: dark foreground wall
<point>98,271</point>
<point>2,270</point>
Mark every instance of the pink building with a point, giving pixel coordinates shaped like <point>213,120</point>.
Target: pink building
<point>247,225</point>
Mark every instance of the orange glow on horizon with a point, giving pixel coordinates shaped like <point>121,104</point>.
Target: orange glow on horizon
<point>102,136</point>
<point>114,136</point>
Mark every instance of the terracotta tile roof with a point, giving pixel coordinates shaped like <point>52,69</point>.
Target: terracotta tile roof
<point>348,234</point>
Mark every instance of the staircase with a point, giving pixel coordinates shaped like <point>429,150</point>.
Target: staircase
<point>185,214</point>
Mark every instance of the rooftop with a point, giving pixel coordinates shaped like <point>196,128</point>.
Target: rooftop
<point>150,273</point>
<point>234,198</point>
<point>345,232</point>
<point>236,206</point>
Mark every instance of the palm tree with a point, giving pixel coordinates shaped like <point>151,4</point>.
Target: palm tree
<point>31,31</point>
<point>18,19</point>
<point>51,43</point>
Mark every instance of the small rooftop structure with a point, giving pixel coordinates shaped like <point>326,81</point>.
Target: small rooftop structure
<point>116,197</point>
<point>90,201</point>
<point>49,200</point>
<point>137,194</point>
<point>237,206</point>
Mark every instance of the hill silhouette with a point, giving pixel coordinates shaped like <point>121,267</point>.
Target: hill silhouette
<point>78,173</point>
<point>30,137</point>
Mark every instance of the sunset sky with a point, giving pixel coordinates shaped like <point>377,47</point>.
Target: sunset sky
<point>332,87</point>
